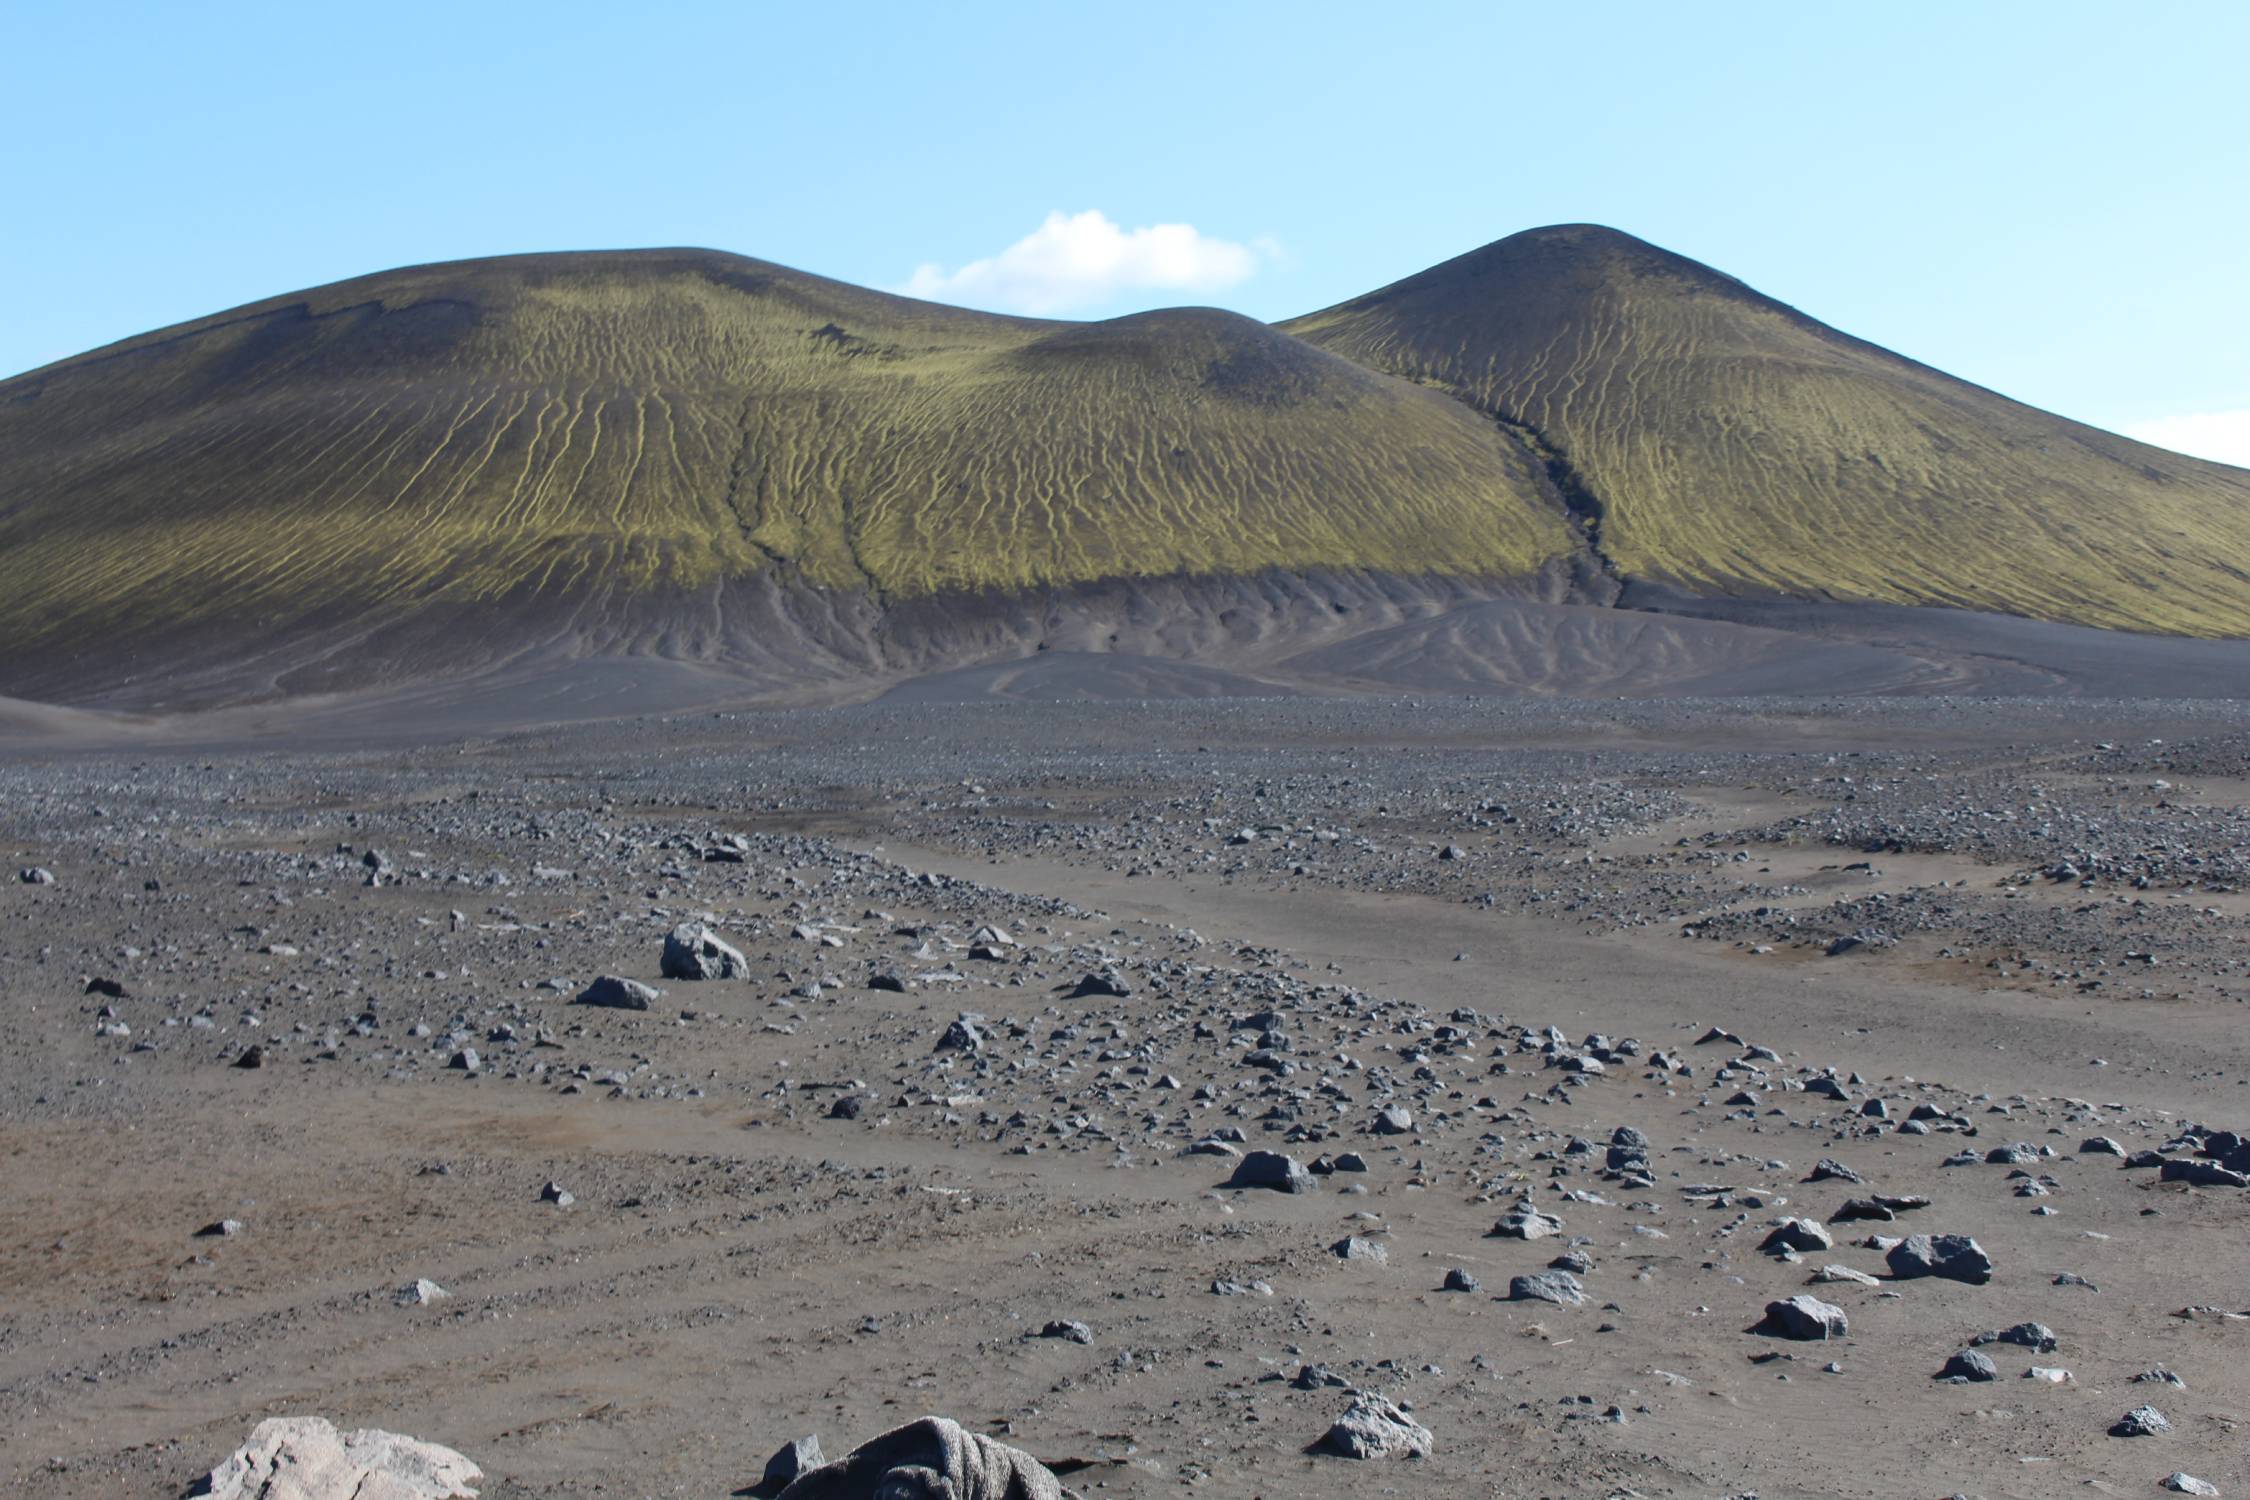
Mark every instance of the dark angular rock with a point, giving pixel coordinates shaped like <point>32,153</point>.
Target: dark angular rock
<point>1804,1318</point>
<point>618,994</point>
<point>1558,1287</point>
<point>1954,1257</point>
<point>1797,1234</point>
<point>1068,1329</point>
<point>1969,1365</point>
<point>1271,1169</point>
<point>797,1456</point>
<point>693,951</point>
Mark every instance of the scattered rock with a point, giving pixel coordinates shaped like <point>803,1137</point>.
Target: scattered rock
<point>1955,1257</point>
<point>2037,1337</point>
<point>1271,1169</point>
<point>1373,1427</point>
<point>618,993</point>
<point>1558,1287</point>
<point>1805,1318</point>
<point>1524,1222</point>
<point>1833,1274</point>
<point>693,951</point>
<point>1797,1234</point>
<point>1393,1120</point>
<point>1968,1364</point>
<point>796,1457</point>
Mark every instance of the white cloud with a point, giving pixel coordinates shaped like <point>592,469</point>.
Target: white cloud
<point>1075,261</point>
<point>2223,436</point>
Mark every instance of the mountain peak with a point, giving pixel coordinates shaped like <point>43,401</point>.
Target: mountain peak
<point>1730,444</point>
<point>1557,262</point>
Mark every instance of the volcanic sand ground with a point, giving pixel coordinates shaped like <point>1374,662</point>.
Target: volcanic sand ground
<point>739,1267</point>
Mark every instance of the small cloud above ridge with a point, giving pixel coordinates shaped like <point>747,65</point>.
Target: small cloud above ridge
<point>1076,261</point>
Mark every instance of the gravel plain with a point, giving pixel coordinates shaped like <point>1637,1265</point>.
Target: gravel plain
<point>1144,1085</point>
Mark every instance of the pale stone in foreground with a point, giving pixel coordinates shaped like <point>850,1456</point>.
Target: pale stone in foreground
<point>306,1458</point>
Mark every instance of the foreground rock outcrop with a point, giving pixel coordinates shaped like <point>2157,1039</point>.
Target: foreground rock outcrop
<point>307,1458</point>
<point>934,1458</point>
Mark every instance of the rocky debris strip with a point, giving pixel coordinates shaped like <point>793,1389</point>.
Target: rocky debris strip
<point>219,934</point>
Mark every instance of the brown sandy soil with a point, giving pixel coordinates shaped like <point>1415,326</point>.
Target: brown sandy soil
<point>740,1266</point>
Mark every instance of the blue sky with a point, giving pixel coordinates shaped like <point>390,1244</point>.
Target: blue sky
<point>2052,199</point>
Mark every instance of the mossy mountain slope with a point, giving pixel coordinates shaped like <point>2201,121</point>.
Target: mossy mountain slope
<point>1723,442</point>
<point>653,421</point>
<point>690,454</point>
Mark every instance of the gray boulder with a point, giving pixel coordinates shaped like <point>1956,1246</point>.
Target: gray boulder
<point>1558,1287</point>
<point>1374,1427</point>
<point>1524,1222</point>
<point>1954,1257</point>
<point>1969,1365</point>
<point>2037,1337</point>
<point>1069,1330</point>
<point>693,951</point>
<point>797,1456</point>
<point>2202,1174</point>
<point>1270,1169</point>
<point>1804,1317</point>
<point>1797,1234</point>
<point>933,1458</point>
<point>306,1458</point>
<point>1628,1150</point>
<point>618,994</point>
